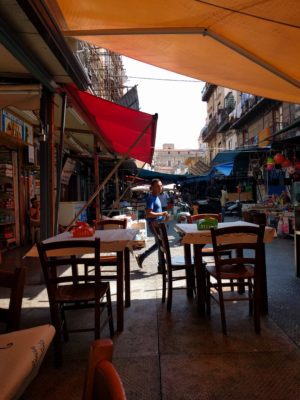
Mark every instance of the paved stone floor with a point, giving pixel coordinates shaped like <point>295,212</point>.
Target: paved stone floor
<point>177,355</point>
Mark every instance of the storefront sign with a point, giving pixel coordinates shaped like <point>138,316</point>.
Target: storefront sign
<point>14,126</point>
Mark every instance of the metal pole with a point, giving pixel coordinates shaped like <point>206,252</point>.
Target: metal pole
<point>60,158</point>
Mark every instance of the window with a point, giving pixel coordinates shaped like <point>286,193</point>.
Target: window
<point>229,102</point>
<point>169,163</point>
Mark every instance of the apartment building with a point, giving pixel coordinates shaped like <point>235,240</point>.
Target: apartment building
<point>242,120</point>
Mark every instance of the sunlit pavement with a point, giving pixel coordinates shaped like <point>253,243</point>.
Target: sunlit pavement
<point>179,355</point>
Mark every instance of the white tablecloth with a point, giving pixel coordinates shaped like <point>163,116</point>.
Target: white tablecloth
<point>21,355</point>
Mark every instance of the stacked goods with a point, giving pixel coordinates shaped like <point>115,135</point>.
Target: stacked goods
<point>6,233</point>
<point>6,170</point>
<point>7,203</point>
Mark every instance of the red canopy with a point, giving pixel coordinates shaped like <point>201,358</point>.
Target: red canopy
<point>119,127</point>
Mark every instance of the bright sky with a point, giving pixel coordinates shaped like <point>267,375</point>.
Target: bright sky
<point>181,113</point>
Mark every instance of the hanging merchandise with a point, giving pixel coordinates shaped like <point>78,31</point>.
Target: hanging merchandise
<point>285,225</point>
<point>286,163</point>
<point>270,163</point>
<point>280,227</point>
<point>297,165</point>
<point>279,158</point>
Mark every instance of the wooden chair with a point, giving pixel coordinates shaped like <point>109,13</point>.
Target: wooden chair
<point>70,288</point>
<point>110,260</point>
<point>207,251</point>
<point>171,265</point>
<point>15,281</point>
<point>102,380</point>
<point>110,224</point>
<point>245,268</point>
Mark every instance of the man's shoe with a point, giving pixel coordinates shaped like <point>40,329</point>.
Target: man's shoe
<point>139,260</point>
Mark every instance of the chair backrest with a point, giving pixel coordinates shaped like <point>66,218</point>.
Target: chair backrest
<point>15,281</point>
<point>110,224</point>
<point>102,380</point>
<point>245,242</point>
<point>164,244</point>
<point>55,257</point>
<point>196,217</point>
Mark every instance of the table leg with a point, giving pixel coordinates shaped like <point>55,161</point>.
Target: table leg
<point>190,278</point>
<point>200,278</point>
<point>127,277</point>
<point>120,289</point>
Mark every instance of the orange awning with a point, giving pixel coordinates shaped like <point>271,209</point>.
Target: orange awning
<point>251,46</point>
<point>118,127</point>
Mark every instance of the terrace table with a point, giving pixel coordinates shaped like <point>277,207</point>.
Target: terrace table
<point>192,236</point>
<point>111,240</point>
<point>21,355</point>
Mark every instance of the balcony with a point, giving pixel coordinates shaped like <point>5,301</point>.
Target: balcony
<point>207,91</point>
<point>253,106</point>
<point>223,120</point>
<point>211,128</point>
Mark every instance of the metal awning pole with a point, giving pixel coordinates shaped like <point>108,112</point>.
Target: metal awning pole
<point>60,158</point>
<point>111,173</point>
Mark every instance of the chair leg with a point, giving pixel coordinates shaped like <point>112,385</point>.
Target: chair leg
<point>170,292</point>
<point>97,319</point>
<point>64,325</point>
<point>110,313</point>
<point>222,307</point>
<point>250,289</point>
<point>56,322</point>
<point>207,297</point>
<point>164,284</point>
<point>256,304</point>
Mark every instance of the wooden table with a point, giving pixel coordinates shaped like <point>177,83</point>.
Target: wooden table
<point>21,355</point>
<point>192,236</point>
<point>111,240</point>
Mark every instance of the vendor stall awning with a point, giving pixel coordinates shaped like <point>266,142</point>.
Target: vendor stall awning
<point>224,169</point>
<point>251,46</point>
<point>118,127</point>
<point>165,178</point>
<point>225,157</point>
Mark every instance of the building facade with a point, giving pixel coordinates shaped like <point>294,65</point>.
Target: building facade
<point>241,120</point>
<point>174,161</point>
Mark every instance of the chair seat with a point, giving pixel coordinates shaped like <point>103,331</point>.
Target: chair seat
<point>232,271</point>
<point>81,292</point>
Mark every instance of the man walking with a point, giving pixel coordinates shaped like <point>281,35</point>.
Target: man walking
<point>154,212</point>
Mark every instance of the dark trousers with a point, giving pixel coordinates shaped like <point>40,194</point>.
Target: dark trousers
<point>152,248</point>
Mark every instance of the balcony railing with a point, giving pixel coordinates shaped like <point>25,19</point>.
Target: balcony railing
<point>211,128</point>
<point>207,91</point>
<point>223,119</point>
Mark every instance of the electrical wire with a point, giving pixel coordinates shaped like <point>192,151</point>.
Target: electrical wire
<point>248,14</point>
<point>164,79</point>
